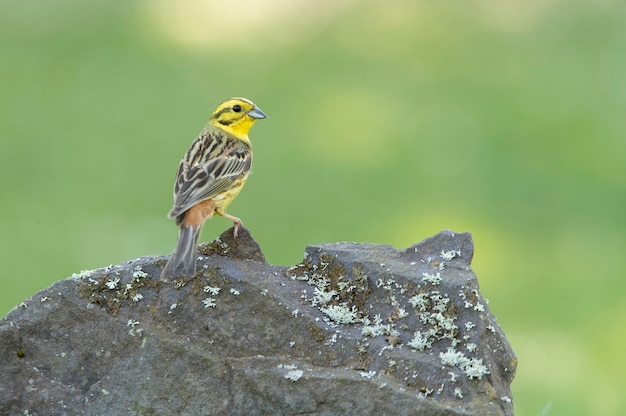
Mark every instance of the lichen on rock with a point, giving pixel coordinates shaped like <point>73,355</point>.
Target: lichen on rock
<point>352,329</point>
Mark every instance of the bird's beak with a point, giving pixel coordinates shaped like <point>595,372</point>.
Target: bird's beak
<point>256,113</point>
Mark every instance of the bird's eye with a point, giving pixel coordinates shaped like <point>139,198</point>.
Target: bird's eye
<point>237,108</point>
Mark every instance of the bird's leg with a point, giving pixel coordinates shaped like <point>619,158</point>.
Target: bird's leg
<point>236,221</point>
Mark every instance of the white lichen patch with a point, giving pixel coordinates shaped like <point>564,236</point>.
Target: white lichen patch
<point>172,307</point>
<point>322,297</point>
<point>388,285</point>
<point>439,302</point>
<point>139,274</point>
<point>83,274</point>
<point>433,279</point>
<point>224,247</point>
<point>341,314</point>
<point>332,340</point>
<point>425,393</point>
<point>449,255</point>
<point>137,297</point>
<point>367,374</point>
<point>377,327</point>
<point>334,294</point>
<point>234,291</point>
<point>420,301</point>
<point>422,340</point>
<point>209,303</point>
<point>472,367</point>
<point>294,375</point>
<point>134,331</point>
<point>446,324</point>
<point>458,393</point>
<point>345,286</point>
<point>431,310</point>
<point>112,283</point>
<point>471,347</point>
<point>212,290</point>
<point>401,313</point>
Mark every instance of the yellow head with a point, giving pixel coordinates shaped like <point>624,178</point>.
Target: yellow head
<point>236,116</point>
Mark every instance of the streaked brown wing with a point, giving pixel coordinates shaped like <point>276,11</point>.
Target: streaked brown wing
<point>209,168</point>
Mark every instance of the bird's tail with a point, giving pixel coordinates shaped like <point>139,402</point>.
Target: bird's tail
<point>183,260</point>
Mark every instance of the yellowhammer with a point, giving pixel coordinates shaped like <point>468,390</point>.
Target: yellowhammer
<point>209,177</point>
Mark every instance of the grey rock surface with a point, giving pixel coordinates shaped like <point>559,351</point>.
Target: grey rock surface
<point>354,329</point>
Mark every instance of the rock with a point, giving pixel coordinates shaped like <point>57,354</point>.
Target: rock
<point>353,329</point>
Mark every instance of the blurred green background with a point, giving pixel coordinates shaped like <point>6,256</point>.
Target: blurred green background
<point>389,121</point>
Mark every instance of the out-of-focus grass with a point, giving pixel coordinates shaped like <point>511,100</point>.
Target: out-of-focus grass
<point>388,122</point>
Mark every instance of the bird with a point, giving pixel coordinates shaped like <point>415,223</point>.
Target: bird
<point>210,175</point>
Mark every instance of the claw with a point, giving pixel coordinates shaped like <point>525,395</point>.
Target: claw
<point>236,221</point>
<point>236,226</point>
